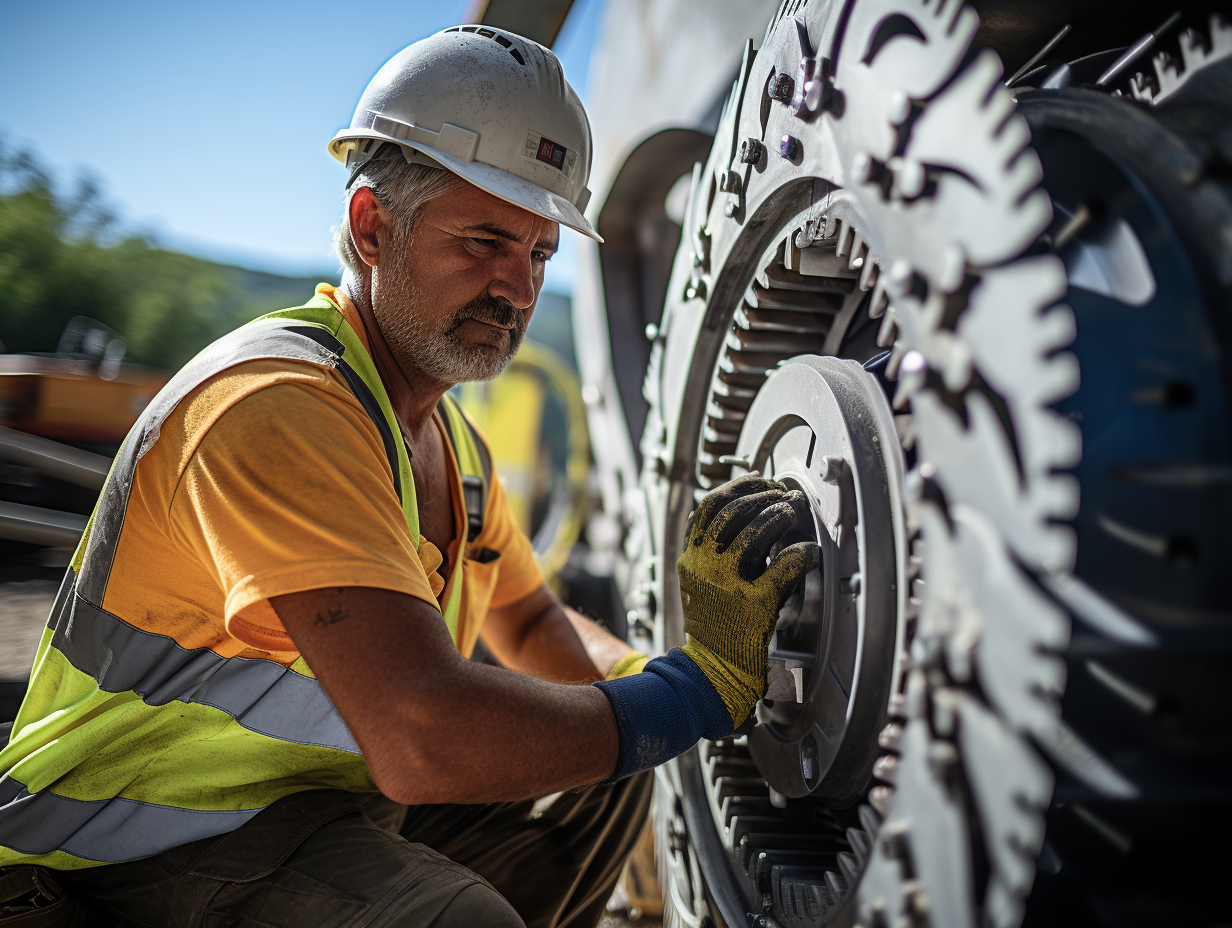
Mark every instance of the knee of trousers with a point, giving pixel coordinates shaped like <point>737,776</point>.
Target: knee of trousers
<point>475,905</point>
<point>479,904</point>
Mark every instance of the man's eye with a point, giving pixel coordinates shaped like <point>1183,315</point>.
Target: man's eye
<point>543,255</point>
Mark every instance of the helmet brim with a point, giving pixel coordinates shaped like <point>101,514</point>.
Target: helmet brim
<point>501,184</point>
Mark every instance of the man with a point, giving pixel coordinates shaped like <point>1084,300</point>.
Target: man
<point>268,619</point>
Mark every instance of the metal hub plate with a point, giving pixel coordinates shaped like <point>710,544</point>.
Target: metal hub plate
<point>823,425</point>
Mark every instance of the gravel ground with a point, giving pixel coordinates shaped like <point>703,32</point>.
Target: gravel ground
<point>618,915</point>
<point>613,920</point>
<point>24,607</point>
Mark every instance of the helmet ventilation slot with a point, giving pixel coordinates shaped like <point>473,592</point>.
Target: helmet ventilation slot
<point>490,34</point>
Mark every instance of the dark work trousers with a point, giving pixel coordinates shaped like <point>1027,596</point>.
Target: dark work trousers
<point>322,859</point>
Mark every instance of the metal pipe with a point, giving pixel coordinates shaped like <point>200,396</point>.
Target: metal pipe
<point>54,459</point>
<point>40,526</point>
<point>1136,51</point>
<point>1035,59</point>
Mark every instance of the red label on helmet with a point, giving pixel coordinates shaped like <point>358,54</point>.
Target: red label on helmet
<point>552,153</point>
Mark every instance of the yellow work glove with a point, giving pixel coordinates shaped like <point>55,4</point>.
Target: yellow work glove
<point>731,598</point>
<point>631,663</point>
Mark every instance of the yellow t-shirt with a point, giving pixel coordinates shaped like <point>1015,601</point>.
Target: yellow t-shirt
<point>270,479</point>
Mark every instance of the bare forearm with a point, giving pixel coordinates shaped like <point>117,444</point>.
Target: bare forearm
<point>485,734</point>
<point>604,648</point>
<point>551,650</point>
<point>433,726</point>
<point>542,637</point>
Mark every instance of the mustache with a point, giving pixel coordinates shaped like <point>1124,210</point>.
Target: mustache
<point>495,311</point>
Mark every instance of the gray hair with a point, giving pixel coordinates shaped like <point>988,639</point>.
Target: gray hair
<point>401,187</point>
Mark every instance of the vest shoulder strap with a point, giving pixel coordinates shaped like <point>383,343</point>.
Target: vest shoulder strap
<point>474,463</point>
<point>321,321</point>
<point>362,392</point>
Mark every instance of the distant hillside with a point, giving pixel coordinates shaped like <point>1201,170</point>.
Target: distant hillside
<point>256,292</point>
<point>61,256</point>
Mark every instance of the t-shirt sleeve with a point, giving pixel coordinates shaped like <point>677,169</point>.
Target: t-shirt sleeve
<point>519,574</point>
<point>290,490</point>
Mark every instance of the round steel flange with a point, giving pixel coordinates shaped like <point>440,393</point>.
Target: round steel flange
<point>823,425</point>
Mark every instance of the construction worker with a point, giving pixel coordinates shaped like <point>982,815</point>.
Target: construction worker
<point>252,704</point>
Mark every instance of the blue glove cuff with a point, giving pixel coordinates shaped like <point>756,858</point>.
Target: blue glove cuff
<point>663,711</point>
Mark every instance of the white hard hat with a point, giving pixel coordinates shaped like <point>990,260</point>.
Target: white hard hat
<point>490,106</point>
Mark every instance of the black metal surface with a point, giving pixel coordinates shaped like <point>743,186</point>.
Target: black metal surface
<point>639,243</point>
<point>1017,29</point>
<point>1156,503</point>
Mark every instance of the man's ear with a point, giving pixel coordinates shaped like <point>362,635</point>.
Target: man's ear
<point>368,220</point>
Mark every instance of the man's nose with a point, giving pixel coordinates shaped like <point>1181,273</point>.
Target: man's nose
<point>516,283</point>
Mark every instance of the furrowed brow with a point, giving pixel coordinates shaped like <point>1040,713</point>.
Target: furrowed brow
<point>544,244</point>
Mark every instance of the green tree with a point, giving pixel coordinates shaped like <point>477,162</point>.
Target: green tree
<point>64,256</point>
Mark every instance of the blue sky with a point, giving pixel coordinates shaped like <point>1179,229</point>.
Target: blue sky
<point>206,123</point>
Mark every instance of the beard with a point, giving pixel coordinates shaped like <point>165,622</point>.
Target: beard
<point>433,346</point>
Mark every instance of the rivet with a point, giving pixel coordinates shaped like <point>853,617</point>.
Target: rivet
<point>781,89</point>
<point>812,95</point>
<point>861,168</point>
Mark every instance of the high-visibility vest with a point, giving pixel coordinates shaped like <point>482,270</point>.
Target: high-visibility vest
<point>211,740</point>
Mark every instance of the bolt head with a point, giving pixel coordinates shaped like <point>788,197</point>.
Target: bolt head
<point>953,268</point>
<point>729,182</point>
<point>880,798</point>
<point>898,108</point>
<point>911,178</point>
<point>789,146</point>
<point>781,89</point>
<point>899,277</point>
<point>831,468</point>
<point>861,168</point>
<point>812,96</point>
<point>913,363</point>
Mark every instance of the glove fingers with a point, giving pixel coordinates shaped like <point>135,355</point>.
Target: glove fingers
<point>736,515</point>
<point>790,565</point>
<point>762,534</point>
<point>718,498</point>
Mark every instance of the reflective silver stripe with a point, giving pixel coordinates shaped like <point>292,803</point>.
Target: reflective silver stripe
<point>244,344</point>
<point>106,830</point>
<point>261,695</point>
